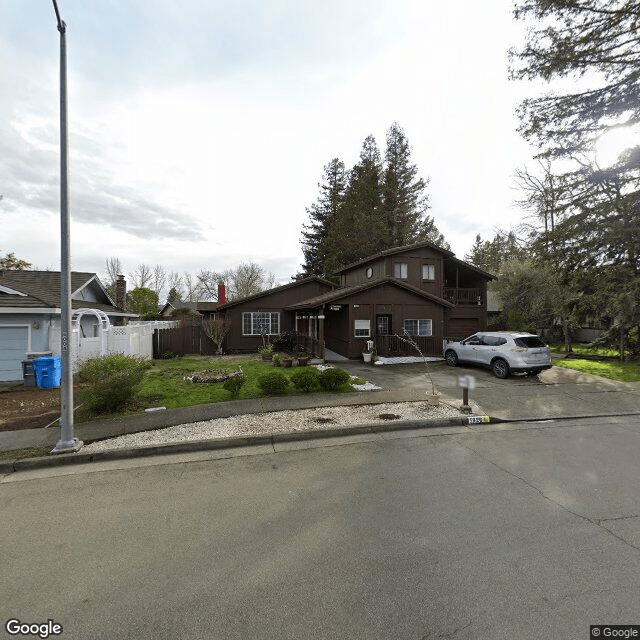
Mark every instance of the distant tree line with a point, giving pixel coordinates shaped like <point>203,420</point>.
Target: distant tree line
<point>377,204</point>
<point>149,287</point>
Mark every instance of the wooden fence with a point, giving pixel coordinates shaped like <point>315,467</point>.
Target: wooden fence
<point>182,341</point>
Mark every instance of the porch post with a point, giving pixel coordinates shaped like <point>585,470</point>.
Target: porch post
<point>321,332</point>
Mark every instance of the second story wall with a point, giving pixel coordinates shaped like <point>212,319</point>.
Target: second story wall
<point>421,268</point>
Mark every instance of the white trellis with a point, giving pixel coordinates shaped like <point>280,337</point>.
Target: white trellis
<point>92,346</point>
<point>134,339</point>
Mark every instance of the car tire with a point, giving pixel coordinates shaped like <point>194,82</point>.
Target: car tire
<point>500,368</point>
<point>451,358</point>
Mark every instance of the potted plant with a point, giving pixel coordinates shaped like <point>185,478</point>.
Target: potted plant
<point>303,358</point>
<point>369,351</point>
<point>266,352</point>
<point>286,361</point>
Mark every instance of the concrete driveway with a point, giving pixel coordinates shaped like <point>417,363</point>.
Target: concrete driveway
<point>555,393</point>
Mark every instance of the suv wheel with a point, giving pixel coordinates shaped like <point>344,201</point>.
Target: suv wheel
<point>500,368</point>
<point>451,358</point>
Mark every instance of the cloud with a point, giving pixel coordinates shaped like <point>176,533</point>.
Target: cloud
<point>29,165</point>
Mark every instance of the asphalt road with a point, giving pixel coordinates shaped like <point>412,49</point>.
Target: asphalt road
<point>512,531</point>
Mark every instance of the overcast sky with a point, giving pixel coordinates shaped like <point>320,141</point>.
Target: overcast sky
<point>199,129</point>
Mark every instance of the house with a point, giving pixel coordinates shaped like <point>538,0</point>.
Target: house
<point>421,291</point>
<point>30,313</point>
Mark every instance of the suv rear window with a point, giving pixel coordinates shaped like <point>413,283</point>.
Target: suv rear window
<point>529,342</point>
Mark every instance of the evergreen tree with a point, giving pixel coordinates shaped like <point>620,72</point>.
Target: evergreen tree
<point>322,215</point>
<point>404,202</point>
<point>596,41</point>
<point>10,262</point>
<point>358,229</point>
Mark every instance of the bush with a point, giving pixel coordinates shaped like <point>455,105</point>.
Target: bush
<point>233,385</point>
<point>276,360</point>
<point>331,379</point>
<point>305,379</point>
<point>273,383</point>
<point>111,381</point>
<point>285,341</point>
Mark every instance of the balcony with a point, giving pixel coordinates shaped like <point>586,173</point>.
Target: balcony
<point>463,297</point>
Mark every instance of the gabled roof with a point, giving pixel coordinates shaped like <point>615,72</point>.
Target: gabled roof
<point>284,287</point>
<point>393,251</point>
<point>468,265</point>
<point>41,289</point>
<point>345,292</point>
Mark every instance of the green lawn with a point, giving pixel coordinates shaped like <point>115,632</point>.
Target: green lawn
<point>622,371</point>
<point>585,349</point>
<point>165,383</point>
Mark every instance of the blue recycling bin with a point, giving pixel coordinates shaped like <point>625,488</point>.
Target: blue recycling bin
<point>48,371</point>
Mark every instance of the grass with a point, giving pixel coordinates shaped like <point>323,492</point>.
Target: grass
<point>164,384</point>
<point>621,371</point>
<point>585,349</point>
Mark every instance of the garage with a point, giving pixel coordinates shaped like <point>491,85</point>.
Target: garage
<point>14,344</point>
<point>458,328</point>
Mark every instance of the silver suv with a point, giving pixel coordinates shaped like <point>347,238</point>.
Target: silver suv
<point>504,352</point>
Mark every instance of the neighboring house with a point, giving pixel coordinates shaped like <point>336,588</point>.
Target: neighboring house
<point>202,309</point>
<point>420,289</point>
<point>30,314</point>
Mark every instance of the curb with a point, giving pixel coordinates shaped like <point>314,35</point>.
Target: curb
<point>11,466</point>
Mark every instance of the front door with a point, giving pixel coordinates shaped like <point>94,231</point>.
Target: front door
<point>384,338</point>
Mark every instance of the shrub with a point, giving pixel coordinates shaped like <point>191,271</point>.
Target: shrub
<point>276,360</point>
<point>273,383</point>
<point>233,385</point>
<point>285,341</point>
<point>305,379</point>
<point>111,381</point>
<point>331,379</point>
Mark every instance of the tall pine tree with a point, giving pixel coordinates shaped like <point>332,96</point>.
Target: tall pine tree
<point>322,215</point>
<point>378,205</point>
<point>404,201</point>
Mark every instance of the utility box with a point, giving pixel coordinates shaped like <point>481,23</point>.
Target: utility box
<point>48,371</point>
<point>28,375</point>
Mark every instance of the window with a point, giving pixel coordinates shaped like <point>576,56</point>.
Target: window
<point>428,272</point>
<point>362,329</point>
<point>258,322</point>
<point>417,327</point>
<point>400,270</point>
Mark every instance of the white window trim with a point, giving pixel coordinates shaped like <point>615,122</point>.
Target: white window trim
<point>419,320</point>
<point>362,327</point>
<point>406,270</point>
<point>432,266</point>
<point>252,314</point>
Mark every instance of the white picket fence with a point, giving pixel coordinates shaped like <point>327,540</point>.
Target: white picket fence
<point>134,339</point>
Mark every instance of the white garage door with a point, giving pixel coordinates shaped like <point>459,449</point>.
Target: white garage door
<point>14,342</point>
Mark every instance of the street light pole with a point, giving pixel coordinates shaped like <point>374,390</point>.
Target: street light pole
<point>67,442</point>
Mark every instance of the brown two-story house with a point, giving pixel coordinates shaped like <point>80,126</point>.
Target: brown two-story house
<point>419,293</point>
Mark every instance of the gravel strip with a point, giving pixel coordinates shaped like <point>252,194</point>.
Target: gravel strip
<point>279,421</point>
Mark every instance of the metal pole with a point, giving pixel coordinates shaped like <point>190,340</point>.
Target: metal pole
<point>67,442</point>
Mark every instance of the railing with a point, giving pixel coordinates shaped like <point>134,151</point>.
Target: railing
<point>392,345</point>
<point>309,345</point>
<point>462,296</point>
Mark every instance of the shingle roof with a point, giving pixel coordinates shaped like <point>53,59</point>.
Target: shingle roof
<point>394,250</point>
<point>268,292</point>
<point>41,289</point>
<point>344,292</point>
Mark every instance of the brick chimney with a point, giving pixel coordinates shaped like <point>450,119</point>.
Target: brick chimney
<point>222,294</point>
<point>121,292</point>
